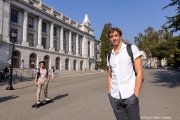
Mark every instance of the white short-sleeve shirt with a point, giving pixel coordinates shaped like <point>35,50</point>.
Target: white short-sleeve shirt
<point>123,76</point>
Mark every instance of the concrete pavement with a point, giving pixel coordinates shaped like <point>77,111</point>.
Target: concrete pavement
<point>83,96</point>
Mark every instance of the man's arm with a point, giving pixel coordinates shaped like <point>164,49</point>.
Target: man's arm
<point>35,80</point>
<point>49,76</point>
<point>139,77</point>
<point>109,79</point>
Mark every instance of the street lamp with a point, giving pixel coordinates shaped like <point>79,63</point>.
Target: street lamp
<point>10,87</point>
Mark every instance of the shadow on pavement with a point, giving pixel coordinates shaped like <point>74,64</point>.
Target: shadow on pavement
<point>60,96</point>
<point>25,87</point>
<point>170,79</point>
<point>8,98</point>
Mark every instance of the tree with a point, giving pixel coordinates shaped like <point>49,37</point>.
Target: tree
<point>148,41</point>
<point>105,46</point>
<point>174,21</point>
<point>174,59</point>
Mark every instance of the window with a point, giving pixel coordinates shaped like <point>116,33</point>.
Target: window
<point>72,47</point>
<point>55,45</point>
<point>64,46</point>
<point>44,42</point>
<point>73,37</point>
<point>30,39</point>
<point>64,35</point>
<point>79,50</point>
<point>96,56</point>
<point>79,45</point>
<point>43,27</point>
<point>55,31</point>
<point>11,38</point>
<point>14,16</point>
<point>96,47</point>
<point>89,48</point>
<point>55,15</point>
<point>30,22</point>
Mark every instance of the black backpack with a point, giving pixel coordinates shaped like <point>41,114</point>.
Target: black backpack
<point>130,53</point>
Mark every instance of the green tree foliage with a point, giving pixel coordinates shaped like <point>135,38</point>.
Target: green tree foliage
<point>105,47</point>
<point>163,50</point>
<point>174,21</point>
<point>174,57</point>
<point>150,39</point>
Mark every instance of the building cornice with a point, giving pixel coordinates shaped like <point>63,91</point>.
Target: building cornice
<point>53,17</point>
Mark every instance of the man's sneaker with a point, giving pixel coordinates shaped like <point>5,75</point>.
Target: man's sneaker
<point>38,101</point>
<point>47,99</point>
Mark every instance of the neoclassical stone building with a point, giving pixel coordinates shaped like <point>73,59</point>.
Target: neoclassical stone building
<point>45,34</point>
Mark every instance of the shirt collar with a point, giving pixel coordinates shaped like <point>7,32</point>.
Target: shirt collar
<point>122,47</point>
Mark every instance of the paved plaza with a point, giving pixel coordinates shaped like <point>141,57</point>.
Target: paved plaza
<point>83,96</point>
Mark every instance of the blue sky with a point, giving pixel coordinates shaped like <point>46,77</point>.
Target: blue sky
<point>131,16</point>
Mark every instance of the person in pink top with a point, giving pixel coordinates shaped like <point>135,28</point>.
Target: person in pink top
<point>42,79</point>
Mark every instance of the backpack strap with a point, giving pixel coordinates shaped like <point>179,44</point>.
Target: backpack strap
<point>109,56</point>
<point>46,72</point>
<point>130,53</point>
<point>38,73</point>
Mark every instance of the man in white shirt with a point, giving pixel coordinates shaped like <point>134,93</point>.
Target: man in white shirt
<point>123,85</point>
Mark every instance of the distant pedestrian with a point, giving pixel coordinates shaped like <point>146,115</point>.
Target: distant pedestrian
<point>9,62</point>
<point>22,64</point>
<point>33,64</point>
<point>6,72</point>
<point>35,71</point>
<point>52,72</point>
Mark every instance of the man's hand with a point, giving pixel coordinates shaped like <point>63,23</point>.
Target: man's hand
<point>136,94</point>
<point>36,84</point>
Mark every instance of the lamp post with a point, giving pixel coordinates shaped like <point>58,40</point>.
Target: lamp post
<point>10,87</point>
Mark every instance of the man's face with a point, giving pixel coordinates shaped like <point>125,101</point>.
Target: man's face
<point>115,38</point>
<point>41,65</point>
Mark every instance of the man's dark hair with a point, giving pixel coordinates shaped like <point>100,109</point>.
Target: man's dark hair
<point>42,62</point>
<point>112,30</point>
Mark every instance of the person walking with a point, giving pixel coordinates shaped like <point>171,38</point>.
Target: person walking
<point>123,84</point>
<point>6,72</point>
<point>42,79</point>
<point>33,64</point>
<point>52,71</point>
<point>22,64</point>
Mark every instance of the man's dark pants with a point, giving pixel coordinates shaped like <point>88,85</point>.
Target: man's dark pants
<point>125,109</point>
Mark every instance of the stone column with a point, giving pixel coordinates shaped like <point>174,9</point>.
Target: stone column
<point>40,33</point>
<point>70,43</point>
<point>84,47</point>
<point>77,46</point>
<point>5,7</point>
<point>92,49</point>
<point>61,41</point>
<point>25,42</point>
<point>52,37</point>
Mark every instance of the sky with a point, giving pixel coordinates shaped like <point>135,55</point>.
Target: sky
<point>131,16</point>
